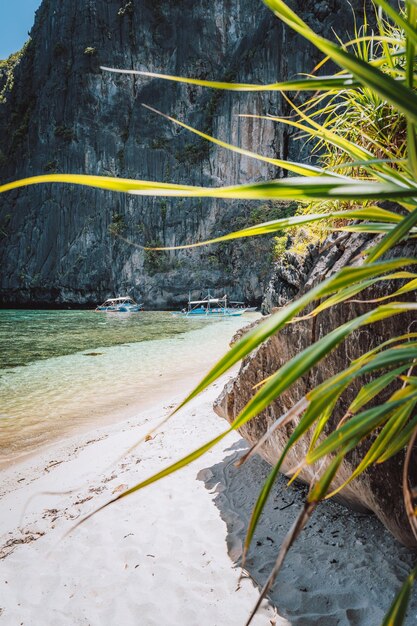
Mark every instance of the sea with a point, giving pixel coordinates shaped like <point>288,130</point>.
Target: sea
<point>66,371</point>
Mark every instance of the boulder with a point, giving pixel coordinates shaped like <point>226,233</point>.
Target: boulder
<point>378,490</point>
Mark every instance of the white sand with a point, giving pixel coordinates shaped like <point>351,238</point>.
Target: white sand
<point>157,557</point>
<point>165,556</point>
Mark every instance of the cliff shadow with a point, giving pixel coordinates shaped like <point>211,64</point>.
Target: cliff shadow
<point>343,570</point>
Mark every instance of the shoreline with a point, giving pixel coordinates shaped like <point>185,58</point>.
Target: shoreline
<point>114,419</point>
<point>57,397</point>
<point>169,554</point>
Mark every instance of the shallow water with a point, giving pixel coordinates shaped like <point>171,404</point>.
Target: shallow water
<point>65,371</point>
<point>31,335</point>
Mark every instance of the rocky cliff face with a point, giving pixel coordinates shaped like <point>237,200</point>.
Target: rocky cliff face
<point>380,489</point>
<point>62,114</point>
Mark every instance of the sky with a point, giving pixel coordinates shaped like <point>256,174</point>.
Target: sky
<point>16,19</point>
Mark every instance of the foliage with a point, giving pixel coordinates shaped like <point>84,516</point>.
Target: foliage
<point>155,261</point>
<point>192,153</point>
<point>280,247</point>
<point>383,73</point>
<point>7,70</point>
<point>22,117</point>
<point>117,225</point>
<point>164,209</point>
<point>361,116</point>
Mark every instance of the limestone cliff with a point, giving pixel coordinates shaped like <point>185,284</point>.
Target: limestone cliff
<point>62,114</point>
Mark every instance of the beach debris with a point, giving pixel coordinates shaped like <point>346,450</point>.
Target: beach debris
<point>11,544</point>
<point>120,488</point>
<point>93,353</point>
<point>98,489</point>
<point>82,500</point>
<point>52,464</point>
<point>148,438</point>
<point>109,478</point>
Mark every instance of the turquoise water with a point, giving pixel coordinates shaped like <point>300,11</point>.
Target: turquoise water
<point>29,335</point>
<point>66,371</point>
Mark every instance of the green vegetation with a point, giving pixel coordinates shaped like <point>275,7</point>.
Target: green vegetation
<point>22,117</point>
<point>155,261</point>
<point>192,153</point>
<point>379,162</point>
<point>271,211</point>
<point>361,117</point>
<point>164,208</point>
<point>117,225</point>
<point>7,70</point>
<point>280,247</point>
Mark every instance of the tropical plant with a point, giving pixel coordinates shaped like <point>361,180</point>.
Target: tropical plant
<point>374,68</point>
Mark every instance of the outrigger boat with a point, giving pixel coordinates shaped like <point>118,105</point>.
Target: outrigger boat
<point>124,304</point>
<point>235,304</point>
<point>210,308</point>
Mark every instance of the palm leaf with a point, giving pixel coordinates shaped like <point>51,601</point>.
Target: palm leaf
<point>296,188</point>
<point>395,92</point>
<point>398,610</point>
<point>310,84</point>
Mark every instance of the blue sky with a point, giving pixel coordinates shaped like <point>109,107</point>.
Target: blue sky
<point>16,19</point>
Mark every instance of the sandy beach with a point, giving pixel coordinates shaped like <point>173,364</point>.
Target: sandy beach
<point>168,554</point>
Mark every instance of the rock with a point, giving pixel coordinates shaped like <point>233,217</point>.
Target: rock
<point>378,490</point>
<point>59,243</point>
<point>288,276</point>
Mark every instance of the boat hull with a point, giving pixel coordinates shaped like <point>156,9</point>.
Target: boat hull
<point>211,315</point>
<point>120,309</point>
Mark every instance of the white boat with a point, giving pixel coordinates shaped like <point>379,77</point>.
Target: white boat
<point>210,308</point>
<point>124,304</point>
<point>235,304</point>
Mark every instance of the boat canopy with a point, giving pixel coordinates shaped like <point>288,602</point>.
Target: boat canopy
<point>124,299</point>
<point>121,299</point>
<point>207,301</point>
